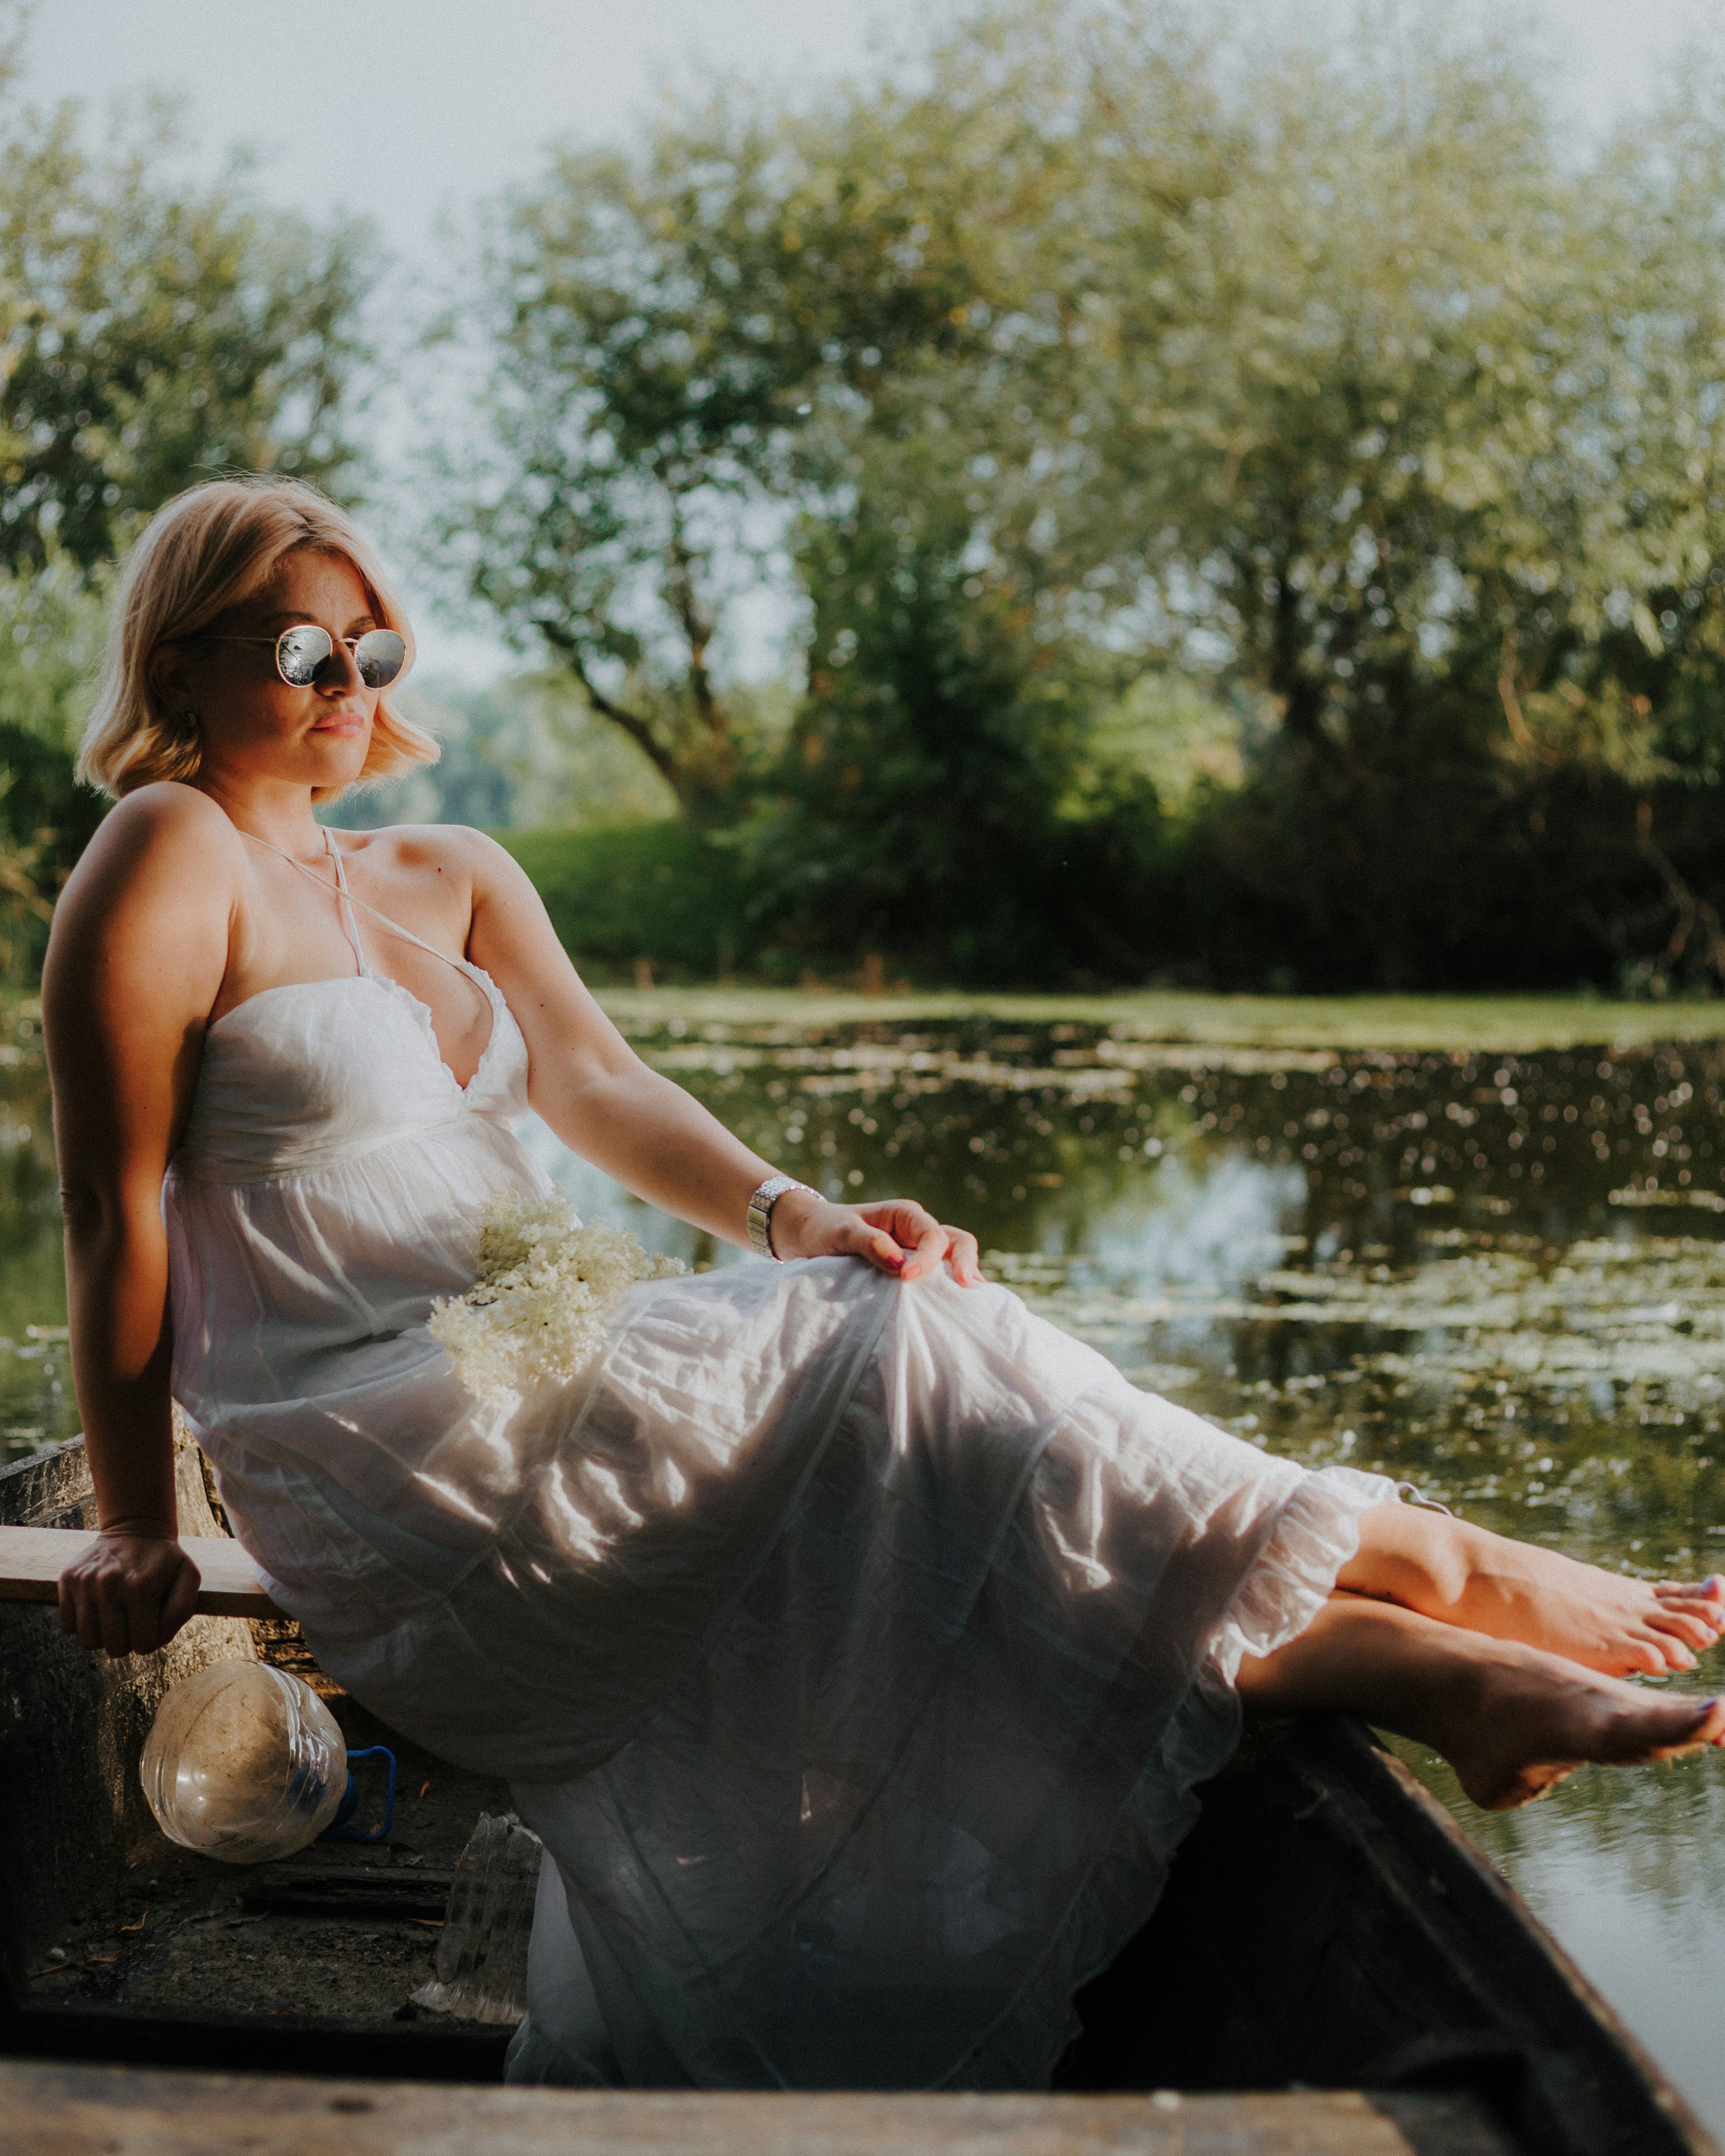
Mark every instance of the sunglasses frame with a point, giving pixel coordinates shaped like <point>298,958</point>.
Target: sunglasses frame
<point>352,643</point>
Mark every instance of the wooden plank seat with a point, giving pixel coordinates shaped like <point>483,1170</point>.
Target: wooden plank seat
<point>116,2110</point>
<point>32,1559</point>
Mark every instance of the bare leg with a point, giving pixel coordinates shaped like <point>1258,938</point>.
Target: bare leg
<point>1512,1720</point>
<point>1509,1590</point>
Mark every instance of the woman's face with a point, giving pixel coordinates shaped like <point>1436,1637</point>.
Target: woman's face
<point>252,724</point>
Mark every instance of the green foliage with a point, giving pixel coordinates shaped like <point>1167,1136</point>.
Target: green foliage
<point>933,802</point>
<point>1094,351</point>
<point>662,892</point>
<point>660,325</point>
<point>152,335</point>
<point>1419,414</point>
<point>51,624</point>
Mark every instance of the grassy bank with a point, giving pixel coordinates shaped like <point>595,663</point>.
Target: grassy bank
<point>1505,1024</point>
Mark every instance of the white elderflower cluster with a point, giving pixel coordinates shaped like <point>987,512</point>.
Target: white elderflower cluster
<point>546,1287</point>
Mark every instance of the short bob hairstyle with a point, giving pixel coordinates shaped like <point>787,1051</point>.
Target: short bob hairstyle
<point>201,554</point>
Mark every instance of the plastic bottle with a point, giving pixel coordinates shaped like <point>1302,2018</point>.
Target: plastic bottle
<point>245,1763</point>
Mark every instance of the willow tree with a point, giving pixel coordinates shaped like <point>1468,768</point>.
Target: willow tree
<point>1412,426</point>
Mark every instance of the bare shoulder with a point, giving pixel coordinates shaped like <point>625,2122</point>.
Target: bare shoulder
<point>142,928</point>
<point>466,856</point>
<point>162,844</point>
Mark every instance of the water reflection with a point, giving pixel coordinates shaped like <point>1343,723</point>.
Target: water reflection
<point>1500,1277</point>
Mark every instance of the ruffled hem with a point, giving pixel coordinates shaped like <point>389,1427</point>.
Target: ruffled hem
<point>565,2039</point>
<point>1316,1533</point>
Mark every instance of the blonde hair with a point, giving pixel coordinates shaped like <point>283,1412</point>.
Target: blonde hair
<point>198,556</point>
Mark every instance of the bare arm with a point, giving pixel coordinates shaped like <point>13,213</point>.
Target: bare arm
<point>644,1131</point>
<point>135,959</point>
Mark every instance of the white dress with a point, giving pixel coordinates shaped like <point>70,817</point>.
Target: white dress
<point>853,1646</point>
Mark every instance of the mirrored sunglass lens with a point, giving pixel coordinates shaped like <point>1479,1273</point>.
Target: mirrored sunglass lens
<point>299,653</point>
<point>378,655</point>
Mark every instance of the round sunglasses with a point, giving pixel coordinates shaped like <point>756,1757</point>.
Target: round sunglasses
<point>303,652</point>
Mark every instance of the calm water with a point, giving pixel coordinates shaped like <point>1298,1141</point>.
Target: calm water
<point>1502,1278</point>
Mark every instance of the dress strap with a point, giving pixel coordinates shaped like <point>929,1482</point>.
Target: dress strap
<point>349,901</point>
<point>348,920</point>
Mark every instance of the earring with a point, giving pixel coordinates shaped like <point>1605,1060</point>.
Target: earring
<point>189,718</point>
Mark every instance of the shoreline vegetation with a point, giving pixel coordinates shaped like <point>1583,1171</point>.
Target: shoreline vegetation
<point>1400,1024</point>
<point>1391,1024</point>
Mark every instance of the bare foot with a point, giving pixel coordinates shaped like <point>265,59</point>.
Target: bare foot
<point>1512,1720</point>
<point>1509,1590</point>
<point>1533,1719</point>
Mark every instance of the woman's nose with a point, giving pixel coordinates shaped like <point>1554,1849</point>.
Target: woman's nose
<point>339,675</point>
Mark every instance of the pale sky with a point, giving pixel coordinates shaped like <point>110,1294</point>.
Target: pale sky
<point>413,110</point>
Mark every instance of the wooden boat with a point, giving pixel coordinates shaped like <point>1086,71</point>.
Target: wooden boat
<point>1334,1967</point>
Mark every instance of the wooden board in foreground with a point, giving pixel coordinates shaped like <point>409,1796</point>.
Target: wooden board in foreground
<point>116,2111</point>
<point>32,1559</point>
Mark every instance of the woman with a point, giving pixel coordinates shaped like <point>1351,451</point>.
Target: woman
<point>852,1638</point>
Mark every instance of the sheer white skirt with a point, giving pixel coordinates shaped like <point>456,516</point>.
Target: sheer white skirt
<point>854,1650</point>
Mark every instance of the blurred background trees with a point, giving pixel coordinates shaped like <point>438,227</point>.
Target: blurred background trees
<point>1116,498</point>
<point>1102,382</point>
<point>152,335</point>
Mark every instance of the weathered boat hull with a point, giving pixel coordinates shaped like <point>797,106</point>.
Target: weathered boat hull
<point>72,1811</point>
<point>1327,1926</point>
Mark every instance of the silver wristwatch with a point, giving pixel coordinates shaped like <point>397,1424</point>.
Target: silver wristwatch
<point>761,1207</point>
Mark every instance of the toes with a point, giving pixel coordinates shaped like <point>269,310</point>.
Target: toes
<point>1707,1594</point>
<point>1690,1611</point>
<point>1692,1605</point>
<point>1707,1727</point>
<point>1671,1642</point>
<point>1673,1654</point>
<point>1650,1658</point>
<point>1525,1788</point>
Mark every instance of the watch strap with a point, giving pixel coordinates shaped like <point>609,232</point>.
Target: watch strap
<point>760,1213</point>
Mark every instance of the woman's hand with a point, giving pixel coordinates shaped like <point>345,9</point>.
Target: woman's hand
<point>894,1235</point>
<point>129,1592</point>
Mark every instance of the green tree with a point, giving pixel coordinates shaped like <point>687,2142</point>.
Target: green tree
<point>1412,427</point>
<point>935,803</point>
<point>151,334</point>
<point>1089,350</point>
<point>663,328</point>
<point>1336,379</point>
<point>51,625</point>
